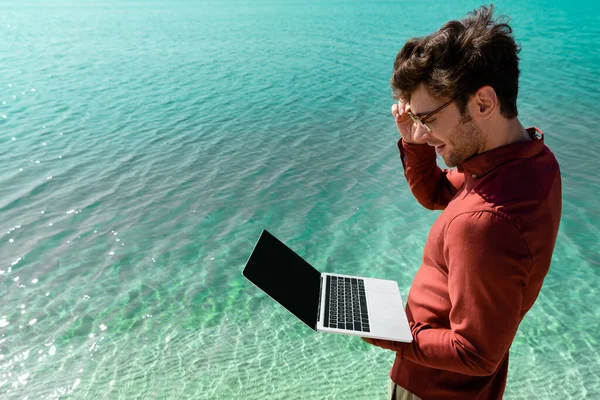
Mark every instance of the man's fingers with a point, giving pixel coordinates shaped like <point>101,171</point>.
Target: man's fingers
<point>399,111</point>
<point>384,344</point>
<point>406,110</point>
<point>395,111</point>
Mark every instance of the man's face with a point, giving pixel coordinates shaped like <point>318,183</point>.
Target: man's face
<point>455,136</point>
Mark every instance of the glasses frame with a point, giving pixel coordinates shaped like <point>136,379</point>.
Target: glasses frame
<point>422,121</point>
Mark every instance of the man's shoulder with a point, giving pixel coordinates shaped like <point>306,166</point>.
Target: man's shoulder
<point>517,188</point>
<point>523,195</point>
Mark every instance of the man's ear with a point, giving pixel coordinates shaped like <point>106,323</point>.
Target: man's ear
<point>484,102</point>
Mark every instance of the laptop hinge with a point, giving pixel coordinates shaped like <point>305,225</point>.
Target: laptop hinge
<point>319,306</point>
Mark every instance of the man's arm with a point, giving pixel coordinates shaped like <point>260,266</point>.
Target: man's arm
<point>488,269</point>
<point>432,187</point>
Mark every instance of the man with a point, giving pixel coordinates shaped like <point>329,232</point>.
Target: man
<point>489,250</point>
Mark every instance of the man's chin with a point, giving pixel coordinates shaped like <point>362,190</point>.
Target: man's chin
<point>450,163</point>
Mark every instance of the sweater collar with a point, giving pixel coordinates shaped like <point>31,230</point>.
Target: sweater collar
<point>480,164</point>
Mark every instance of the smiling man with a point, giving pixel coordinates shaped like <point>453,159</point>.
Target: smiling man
<point>488,252</point>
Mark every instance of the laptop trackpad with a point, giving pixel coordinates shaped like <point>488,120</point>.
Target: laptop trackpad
<point>388,318</point>
<point>381,286</point>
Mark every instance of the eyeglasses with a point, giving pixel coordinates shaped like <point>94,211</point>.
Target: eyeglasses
<point>422,121</point>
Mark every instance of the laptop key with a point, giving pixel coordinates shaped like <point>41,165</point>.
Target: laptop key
<point>349,326</point>
<point>357,326</point>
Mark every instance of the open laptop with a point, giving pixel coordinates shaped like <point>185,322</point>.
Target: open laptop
<point>333,303</point>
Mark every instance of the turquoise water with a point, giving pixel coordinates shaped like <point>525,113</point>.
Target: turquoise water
<point>144,146</point>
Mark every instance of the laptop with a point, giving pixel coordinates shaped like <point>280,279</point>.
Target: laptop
<point>333,303</point>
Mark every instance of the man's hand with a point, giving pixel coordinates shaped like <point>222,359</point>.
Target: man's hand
<point>384,344</point>
<point>405,124</point>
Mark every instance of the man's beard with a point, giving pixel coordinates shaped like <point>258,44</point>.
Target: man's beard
<point>466,139</point>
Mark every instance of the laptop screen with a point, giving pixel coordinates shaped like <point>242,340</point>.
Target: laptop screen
<point>286,277</point>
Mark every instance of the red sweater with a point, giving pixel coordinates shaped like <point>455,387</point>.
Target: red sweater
<point>483,265</point>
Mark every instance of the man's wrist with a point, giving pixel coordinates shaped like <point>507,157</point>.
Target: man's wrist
<point>404,141</point>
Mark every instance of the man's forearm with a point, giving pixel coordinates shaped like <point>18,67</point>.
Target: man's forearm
<point>440,350</point>
<point>432,187</point>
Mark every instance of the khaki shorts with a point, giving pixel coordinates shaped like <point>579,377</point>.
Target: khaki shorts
<point>396,392</point>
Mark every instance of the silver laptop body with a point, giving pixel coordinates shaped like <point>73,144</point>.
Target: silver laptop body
<point>325,302</point>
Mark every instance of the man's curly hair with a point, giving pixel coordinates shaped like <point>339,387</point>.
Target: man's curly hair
<point>459,59</point>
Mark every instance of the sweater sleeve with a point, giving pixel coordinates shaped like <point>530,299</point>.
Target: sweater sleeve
<point>432,187</point>
<point>488,269</point>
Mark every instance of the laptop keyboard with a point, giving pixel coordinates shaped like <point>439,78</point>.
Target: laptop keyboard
<point>346,304</point>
